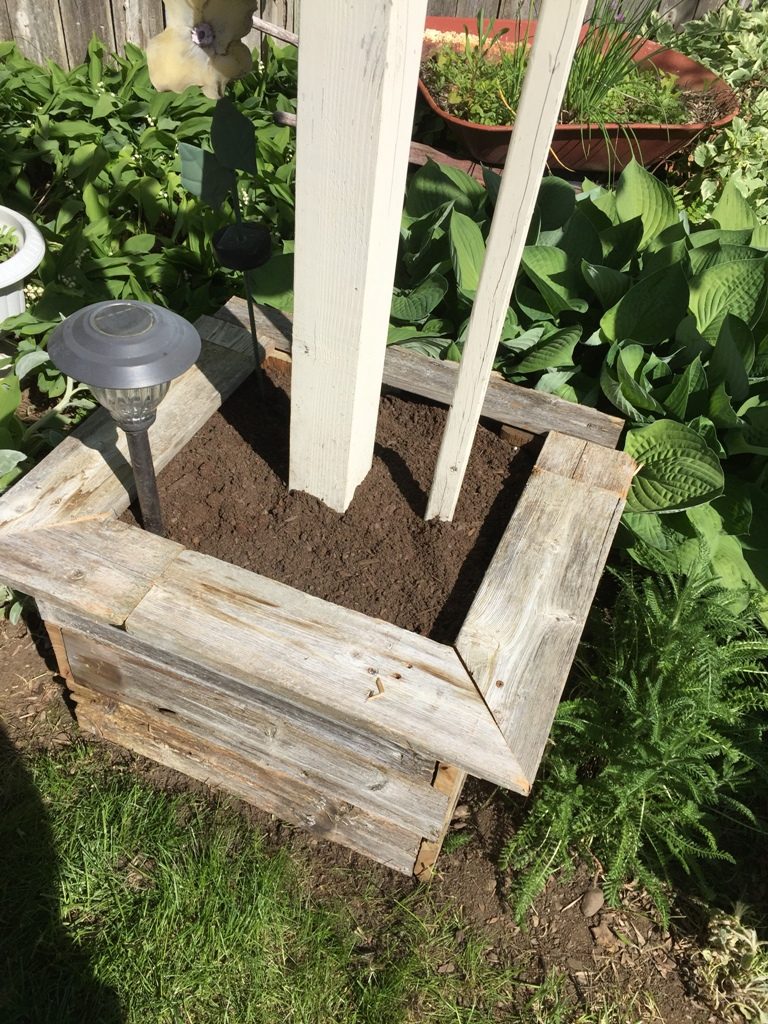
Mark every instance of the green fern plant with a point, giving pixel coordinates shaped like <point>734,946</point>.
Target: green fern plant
<point>657,745</point>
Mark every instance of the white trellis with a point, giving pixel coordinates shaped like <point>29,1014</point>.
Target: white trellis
<point>358,66</point>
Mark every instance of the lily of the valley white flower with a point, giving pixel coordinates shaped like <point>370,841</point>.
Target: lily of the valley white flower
<point>201,45</point>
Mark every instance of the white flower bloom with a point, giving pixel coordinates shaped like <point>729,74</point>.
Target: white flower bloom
<point>201,45</point>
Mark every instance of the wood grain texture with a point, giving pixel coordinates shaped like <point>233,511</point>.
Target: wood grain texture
<point>379,751</point>
<point>96,568</point>
<point>352,141</point>
<point>409,371</point>
<point>5,22</point>
<point>521,633</point>
<point>39,35</point>
<point>544,84</point>
<point>449,781</point>
<point>160,739</point>
<point>59,651</point>
<point>236,720</point>
<point>136,21</point>
<point>89,474</point>
<point>81,20</point>
<point>326,659</point>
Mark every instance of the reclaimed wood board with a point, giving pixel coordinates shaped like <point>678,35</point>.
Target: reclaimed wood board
<point>326,658</point>
<point>160,739</point>
<point>89,474</point>
<point>546,76</point>
<point>520,636</point>
<point>412,372</point>
<point>448,780</point>
<point>228,714</point>
<point>93,567</point>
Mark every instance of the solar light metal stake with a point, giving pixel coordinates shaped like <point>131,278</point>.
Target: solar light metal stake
<point>128,352</point>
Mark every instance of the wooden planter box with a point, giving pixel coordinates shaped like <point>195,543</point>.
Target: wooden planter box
<point>344,724</point>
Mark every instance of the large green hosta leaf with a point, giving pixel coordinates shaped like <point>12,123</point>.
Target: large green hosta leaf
<point>640,194</point>
<point>677,468</point>
<point>651,310</point>
<point>467,252</point>
<point>737,288</point>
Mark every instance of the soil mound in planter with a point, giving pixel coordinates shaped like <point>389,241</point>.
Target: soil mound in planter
<point>226,495</point>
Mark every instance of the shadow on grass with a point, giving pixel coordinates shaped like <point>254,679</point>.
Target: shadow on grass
<point>45,978</point>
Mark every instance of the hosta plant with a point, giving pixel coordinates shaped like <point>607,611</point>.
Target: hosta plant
<point>94,153</point>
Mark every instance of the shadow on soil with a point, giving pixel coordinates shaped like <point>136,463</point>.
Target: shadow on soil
<point>45,978</point>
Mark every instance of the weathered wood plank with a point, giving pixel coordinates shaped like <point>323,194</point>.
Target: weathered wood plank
<point>325,658</point>
<point>275,742</point>
<point>379,752</point>
<point>417,374</point>
<point>39,36</point>
<point>97,568</point>
<point>81,19</point>
<point>521,633</point>
<point>136,21</point>
<point>161,740</point>
<point>450,781</point>
<point>349,202</point>
<point>554,43</point>
<point>57,643</point>
<point>5,22</point>
<point>89,474</point>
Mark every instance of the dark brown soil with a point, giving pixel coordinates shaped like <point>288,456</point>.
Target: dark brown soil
<point>225,494</point>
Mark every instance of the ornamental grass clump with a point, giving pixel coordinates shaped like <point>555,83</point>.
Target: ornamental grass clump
<point>479,78</point>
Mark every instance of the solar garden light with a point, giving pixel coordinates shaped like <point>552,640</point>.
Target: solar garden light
<point>128,352</point>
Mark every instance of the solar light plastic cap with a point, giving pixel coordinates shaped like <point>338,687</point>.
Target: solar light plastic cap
<point>124,344</point>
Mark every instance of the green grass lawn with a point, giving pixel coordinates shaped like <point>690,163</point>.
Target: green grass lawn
<point>127,904</point>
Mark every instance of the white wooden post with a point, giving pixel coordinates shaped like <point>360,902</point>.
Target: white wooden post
<point>358,70</point>
<point>554,43</point>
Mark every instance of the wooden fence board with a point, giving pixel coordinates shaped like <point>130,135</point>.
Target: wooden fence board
<point>519,642</point>
<point>39,34</point>
<point>162,740</point>
<point>325,658</point>
<point>275,742</point>
<point>5,21</point>
<point>82,19</point>
<point>136,21</point>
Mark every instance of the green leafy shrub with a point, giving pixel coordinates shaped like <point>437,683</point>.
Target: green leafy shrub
<point>733,42</point>
<point>657,747</point>
<point>622,303</point>
<point>91,155</point>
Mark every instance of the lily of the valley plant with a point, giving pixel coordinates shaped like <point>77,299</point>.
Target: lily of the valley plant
<point>202,44</point>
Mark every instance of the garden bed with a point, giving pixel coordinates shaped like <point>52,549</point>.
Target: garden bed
<point>225,494</point>
<point>357,729</point>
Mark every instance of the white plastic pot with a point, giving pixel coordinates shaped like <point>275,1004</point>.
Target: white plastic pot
<point>26,259</point>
